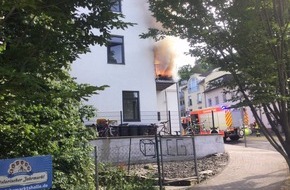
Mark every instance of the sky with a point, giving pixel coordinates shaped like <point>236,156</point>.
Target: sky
<point>180,48</point>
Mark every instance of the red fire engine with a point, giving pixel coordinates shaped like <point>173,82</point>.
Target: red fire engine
<point>221,120</point>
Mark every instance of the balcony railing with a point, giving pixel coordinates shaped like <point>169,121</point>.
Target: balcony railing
<point>147,118</point>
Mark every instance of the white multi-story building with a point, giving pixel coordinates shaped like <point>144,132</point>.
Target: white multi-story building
<point>214,96</point>
<point>200,94</point>
<point>195,89</point>
<point>141,89</point>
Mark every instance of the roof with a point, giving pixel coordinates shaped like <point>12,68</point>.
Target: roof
<point>218,82</point>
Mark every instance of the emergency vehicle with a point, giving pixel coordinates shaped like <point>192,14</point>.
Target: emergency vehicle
<point>222,120</point>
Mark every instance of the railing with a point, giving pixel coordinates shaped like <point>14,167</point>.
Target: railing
<point>147,118</point>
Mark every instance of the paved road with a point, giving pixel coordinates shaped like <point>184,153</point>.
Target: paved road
<point>257,166</point>
<point>250,168</point>
<point>254,142</point>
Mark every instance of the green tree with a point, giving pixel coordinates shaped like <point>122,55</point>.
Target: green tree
<point>200,67</point>
<point>248,38</point>
<point>185,72</point>
<point>40,104</point>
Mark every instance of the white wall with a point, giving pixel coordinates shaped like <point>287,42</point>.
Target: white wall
<point>136,75</point>
<point>168,101</point>
<point>178,148</point>
<point>218,92</point>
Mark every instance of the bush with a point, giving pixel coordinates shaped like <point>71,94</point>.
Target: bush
<point>112,178</point>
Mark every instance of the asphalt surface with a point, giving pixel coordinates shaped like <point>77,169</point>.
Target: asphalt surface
<point>253,142</point>
<point>252,165</point>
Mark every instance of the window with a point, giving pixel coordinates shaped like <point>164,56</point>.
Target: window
<point>181,102</point>
<point>193,85</point>
<point>217,101</point>
<point>209,102</point>
<point>116,7</point>
<point>189,101</point>
<point>131,108</point>
<point>224,97</point>
<point>116,50</point>
<point>199,98</point>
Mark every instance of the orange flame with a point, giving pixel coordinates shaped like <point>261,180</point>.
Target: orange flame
<point>164,57</point>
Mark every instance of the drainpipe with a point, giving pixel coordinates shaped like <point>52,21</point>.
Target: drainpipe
<point>167,111</point>
<point>205,100</point>
<point>166,101</point>
<point>178,109</point>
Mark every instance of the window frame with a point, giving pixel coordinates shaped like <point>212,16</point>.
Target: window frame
<point>217,100</point>
<point>111,44</point>
<point>193,85</point>
<point>209,102</point>
<point>136,116</point>
<point>199,98</point>
<point>189,101</point>
<point>116,6</point>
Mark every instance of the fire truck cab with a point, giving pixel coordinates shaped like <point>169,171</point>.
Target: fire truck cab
<point>221,120</point>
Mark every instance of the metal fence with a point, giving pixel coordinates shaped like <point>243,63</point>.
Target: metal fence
<point>146,118</point>
<point>162,157</point>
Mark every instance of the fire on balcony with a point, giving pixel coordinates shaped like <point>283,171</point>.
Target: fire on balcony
<point>164,56</point>
<point>164,62</point>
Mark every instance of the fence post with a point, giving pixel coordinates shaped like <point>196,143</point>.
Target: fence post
<point>162,169</point>
<point>195,158</point>
<point>129,161</point>
<point>96,168</point>
<point>121,118</point>
<point>158,161</point>
<point>169,119</point>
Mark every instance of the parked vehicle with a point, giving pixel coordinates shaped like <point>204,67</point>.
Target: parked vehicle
<point>221,120</point>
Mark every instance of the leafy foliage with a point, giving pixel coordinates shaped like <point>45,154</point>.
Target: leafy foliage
<point>185,72</point>
<point>40,104</point>
<point>248,38</point>
<point>50,126</point>
<point>115,178</point>
<point>200,67</point>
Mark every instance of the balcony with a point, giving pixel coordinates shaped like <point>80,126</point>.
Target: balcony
<point>163,82</point>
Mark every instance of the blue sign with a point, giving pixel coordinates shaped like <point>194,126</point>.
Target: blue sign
<point>26,173</point>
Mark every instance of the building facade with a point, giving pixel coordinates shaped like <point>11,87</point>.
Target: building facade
<point>205,95</point>
<point>138,92</point>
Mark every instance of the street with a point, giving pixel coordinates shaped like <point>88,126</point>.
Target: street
<point>253,142</point>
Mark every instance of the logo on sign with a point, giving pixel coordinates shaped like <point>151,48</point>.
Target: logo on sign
<point>22,173</point>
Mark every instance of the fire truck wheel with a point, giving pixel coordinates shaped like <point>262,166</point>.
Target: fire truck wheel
<point>234,138</point>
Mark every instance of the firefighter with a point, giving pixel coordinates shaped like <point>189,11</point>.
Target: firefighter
<point>257,129</point>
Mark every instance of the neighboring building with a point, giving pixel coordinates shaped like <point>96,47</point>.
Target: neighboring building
<point>205,95</point>
<point>182,87</point>
<point>199,94</point>
<point>140,78</point>
<point>194,93</point>
<point>214,96</point>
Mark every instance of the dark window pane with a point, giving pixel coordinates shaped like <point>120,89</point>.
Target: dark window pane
<point>116,7</point>
<point>116,50</point>
<point>131,110</point>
